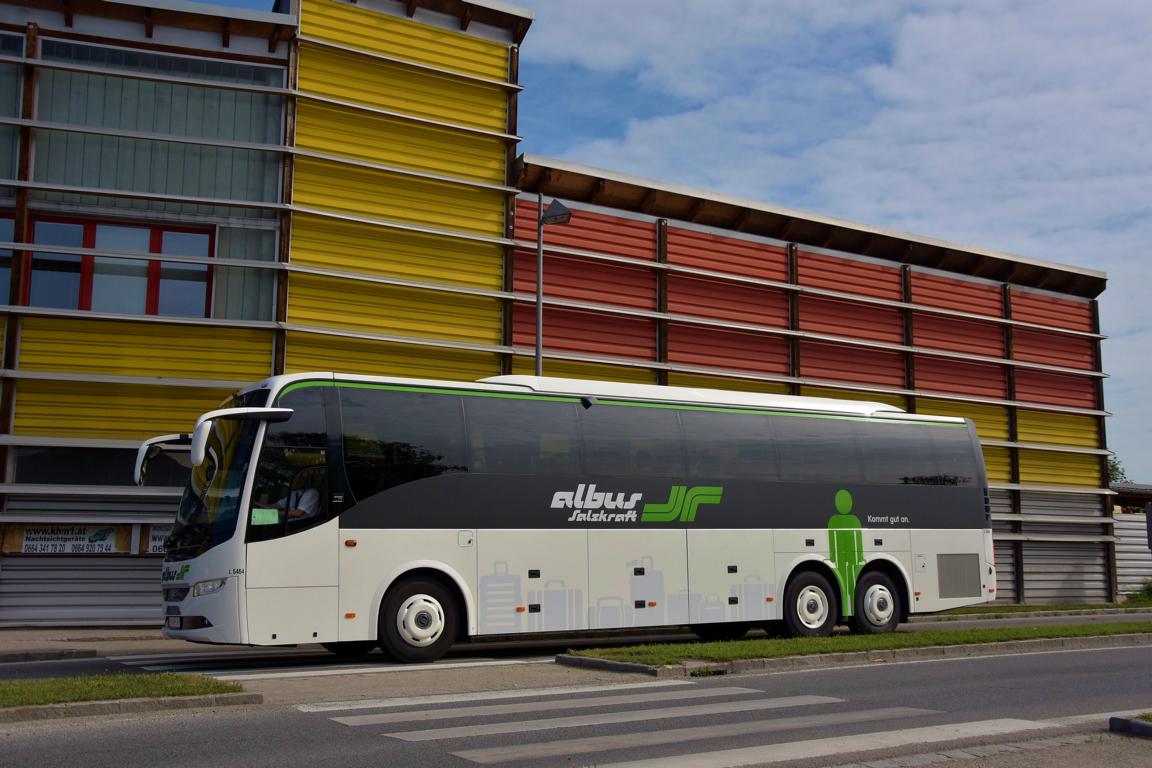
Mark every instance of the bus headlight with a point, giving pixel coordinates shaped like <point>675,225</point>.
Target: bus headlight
<point>209,587</point>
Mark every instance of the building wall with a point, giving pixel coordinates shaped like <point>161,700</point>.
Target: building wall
<point>187,207</point>
<point>144,164</point>
<point>648,299</point>
<point>403,133</point>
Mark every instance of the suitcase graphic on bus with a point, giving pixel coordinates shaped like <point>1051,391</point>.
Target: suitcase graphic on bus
<point>608,613</point>
<point>712,609</point>
<point>753,596</point>
<point>684,605</point>
<point>559,607</point>
<point>646,586</point>
<point>499,597</point>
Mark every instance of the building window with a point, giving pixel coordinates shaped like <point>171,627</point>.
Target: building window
<point>120,285</point>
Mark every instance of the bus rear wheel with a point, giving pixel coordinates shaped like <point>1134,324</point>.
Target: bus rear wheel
<point>418,621</point>
<point>810,605</point>
<point>877,605</point>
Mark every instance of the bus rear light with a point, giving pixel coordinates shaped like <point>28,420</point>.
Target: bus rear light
<point>769,599</point>
<point>521,609</point>
<point>651,603</point>
<point>350,615</point>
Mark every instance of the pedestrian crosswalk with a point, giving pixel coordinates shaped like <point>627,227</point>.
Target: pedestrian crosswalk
<point>614,724</point>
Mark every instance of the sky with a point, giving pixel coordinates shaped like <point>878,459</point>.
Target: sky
<point>1022,126</point>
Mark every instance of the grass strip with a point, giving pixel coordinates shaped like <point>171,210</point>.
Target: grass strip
<point>768,648</point>
<point>58,690</point>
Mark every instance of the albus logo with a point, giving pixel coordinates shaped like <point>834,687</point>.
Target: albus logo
<point>592,506</point>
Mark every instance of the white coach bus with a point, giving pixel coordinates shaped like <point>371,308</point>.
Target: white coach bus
<point>359,512</point>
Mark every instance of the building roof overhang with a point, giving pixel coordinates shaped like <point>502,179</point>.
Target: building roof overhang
<point>580,183</point>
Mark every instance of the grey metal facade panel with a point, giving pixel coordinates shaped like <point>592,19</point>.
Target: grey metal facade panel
<point>92,590</point>
<point>40,509</point>
<point>1072,504</point>
<point>1001,502</point>
<point>1065,572</point>
<point>1005,554</point>
<point>1133,558</point>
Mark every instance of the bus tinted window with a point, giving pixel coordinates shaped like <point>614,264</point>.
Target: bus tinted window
<point>817,449</point>
<point>894,453</point>
<point>956,460</point>
<point>912,454</point>
<point>522,437</point>
<point>728,445</point>
<point>291,478</point>
<point>632,441</point>
<point>392,437</point>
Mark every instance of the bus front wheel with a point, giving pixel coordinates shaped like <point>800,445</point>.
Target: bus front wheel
<point>417,621</point>
<point>877,605</point>
<point>810,606</point>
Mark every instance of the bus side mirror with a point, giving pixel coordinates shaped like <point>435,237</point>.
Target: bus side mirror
<point>204,425</point>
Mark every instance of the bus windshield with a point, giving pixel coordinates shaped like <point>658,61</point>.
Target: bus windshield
<point>211,501</point>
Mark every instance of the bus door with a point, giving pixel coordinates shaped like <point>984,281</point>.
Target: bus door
<point>291,571</point>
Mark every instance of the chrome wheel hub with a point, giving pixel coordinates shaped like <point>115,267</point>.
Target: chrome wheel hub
<point>812,607</point>
<point>878,605</point>
<point>420,620</point>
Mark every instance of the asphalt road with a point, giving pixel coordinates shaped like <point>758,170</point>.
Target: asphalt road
<point>820,717</point>
<point>212,659</point>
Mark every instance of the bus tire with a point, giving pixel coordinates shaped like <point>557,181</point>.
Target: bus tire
<point>353,649</point>
<point>810,605</point>
<point>877,608</point>
<point>720,631</point>
<point>417,621</point>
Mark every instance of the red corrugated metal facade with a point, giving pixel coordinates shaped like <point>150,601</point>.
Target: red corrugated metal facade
<point>690,298</point>
<point>688,301</point>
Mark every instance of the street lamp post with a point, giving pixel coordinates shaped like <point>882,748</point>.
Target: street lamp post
<point>557,213</point>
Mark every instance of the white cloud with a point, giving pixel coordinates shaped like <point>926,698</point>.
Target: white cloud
<point>1018,125</point>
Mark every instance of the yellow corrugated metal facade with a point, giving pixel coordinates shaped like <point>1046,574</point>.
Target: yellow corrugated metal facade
<point>397,95</point>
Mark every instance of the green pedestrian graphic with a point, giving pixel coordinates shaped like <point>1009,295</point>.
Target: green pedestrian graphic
<point>846,546</point>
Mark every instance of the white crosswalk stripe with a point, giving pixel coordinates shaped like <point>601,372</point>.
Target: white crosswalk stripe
<point>516,709</point>
<point>630,716</point>
<point>678,716</point>
<point>492,755</point>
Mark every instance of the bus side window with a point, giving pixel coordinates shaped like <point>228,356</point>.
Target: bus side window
<point>729,445</point>
<point>392,438</point>
<point>632,441</point>
<point>290,491</point>
<point>522,436</point>
<point>817,449</point>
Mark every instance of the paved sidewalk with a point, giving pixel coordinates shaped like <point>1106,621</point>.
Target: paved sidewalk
<point>96,642</point>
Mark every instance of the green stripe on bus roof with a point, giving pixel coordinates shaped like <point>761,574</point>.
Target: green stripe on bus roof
<point>629,403</point>
<point>768,412</point>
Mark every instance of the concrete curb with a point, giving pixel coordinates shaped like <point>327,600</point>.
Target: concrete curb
<point>18,657</point>
<point>1132,727</point>
<point>1024,615</point>
<point>828,660</point>
<point>124,706</point>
